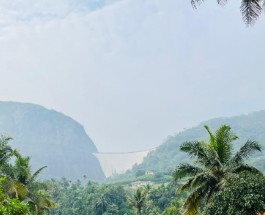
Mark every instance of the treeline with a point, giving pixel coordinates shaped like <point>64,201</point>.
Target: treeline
<point>96,199</point>
<point>218,182</point>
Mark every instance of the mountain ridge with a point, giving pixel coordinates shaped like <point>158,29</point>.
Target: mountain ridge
<point>167,156</point>
<point>52,139</point>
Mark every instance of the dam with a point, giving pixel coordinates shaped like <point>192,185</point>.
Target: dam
<point>119,162</point>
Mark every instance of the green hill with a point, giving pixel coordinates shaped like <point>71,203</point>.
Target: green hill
<point>167,156</point>
<point>51,139</point>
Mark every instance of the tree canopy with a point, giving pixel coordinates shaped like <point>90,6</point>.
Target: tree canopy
<point>243,195</point>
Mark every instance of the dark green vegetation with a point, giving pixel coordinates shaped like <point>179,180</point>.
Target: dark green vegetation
<point>165,158</point>
<point>218,176</point>
<point>250,9</point>
<point>215,165</point>
<point>244,194</point>
<point>51,139</point>
<point>211,179</point>
<point>219,182</point>
<point>204,185</point>
<point>138,200</point>
<point>94,199</point>
<point>90,198</point>
<point>20,192</point>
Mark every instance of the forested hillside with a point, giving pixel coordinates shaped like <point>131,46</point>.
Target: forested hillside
<point>219,183</point>
<point>167,156</point>
<point>52,139</point>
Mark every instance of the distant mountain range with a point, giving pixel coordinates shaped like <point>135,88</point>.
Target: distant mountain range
<point>55,140</point>
<point>51,139</point>
<point>167,156</point>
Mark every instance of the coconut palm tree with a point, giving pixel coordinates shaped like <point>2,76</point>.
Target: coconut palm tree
<point>36,194</point>
<point>101,203</point>
<point>11,187</point>
<point>18,181</point>
<point>215,163</point>
<point>39,199</point>
<point>21,183</point>
<point>22,169</point>
<point>250,9</point>
<point>138,200</point>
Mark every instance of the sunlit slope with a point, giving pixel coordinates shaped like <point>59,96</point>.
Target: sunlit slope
<point>51,139</point>
<point>248,126</point>
<point>113,163</point>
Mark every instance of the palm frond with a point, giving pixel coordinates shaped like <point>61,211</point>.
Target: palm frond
<point>213,160</point>
<point>14,188</point>
<point>222,2</point>
<point>196,150</point>
<point>185,170</point>
<point>7,170</point>
<point>40,202</point>
<point>251,10</point>
<point>212,137</point>
<point>193,202</point>
<point>213,189</point>
<point>224,133</point>
<point>186,186</point>
<point>197,181</point>
<point>245,152</point>
<point>35,174</point>
<point>196,3</point>
<point>5,150</point>
<point>204,178</point>
<point>245,168</point>
<point>223,147</point>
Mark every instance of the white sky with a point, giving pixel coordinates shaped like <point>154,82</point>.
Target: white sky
<point>131,71</point>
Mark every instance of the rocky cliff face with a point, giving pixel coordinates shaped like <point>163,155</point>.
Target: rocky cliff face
<point>51,139</point>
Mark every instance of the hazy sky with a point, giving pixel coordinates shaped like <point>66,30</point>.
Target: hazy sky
<point>132,71</point>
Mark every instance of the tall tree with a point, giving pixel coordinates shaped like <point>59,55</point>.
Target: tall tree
<point>250,9</point>
<point>36,194</point>
<point>138,200</point>
<point>19,181</point>
<point>215,164</point>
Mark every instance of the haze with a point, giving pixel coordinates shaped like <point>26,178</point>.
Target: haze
<point>131,71</point>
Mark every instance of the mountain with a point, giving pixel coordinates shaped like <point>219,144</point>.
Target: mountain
<point>51,139</point>
<point>167,156</point>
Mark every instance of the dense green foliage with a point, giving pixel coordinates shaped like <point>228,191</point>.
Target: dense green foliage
<point>90,198</point>
<point>97,199</point>
<point>139,200</point>
<point>243,195</point>
<point>165,199</point>
<point>219,182</point>
<point>215,164</point>
<point>14,206</point>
